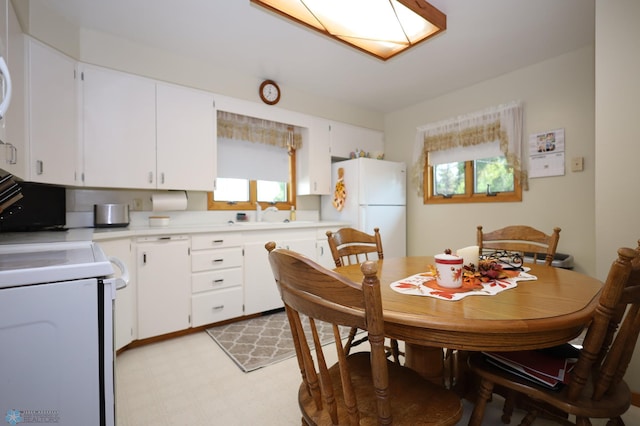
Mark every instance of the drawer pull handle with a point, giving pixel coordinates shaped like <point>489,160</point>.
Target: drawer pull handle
<point>218,260</point>
<point>219,280</point>
<point>217,308</point>
<point>217,241</point>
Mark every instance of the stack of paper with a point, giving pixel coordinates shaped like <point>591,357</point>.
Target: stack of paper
<point>550,367</point>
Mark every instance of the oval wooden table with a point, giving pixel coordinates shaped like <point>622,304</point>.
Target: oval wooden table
<point>551,310</point>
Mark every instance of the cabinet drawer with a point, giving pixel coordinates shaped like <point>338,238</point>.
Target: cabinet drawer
<point>215,306</point>
<point>216,259</point>
<point>214,280</point>
<point>209,241</point>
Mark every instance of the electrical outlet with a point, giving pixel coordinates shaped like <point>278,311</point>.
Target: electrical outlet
<point>577,164</point>
<point>137,204</point>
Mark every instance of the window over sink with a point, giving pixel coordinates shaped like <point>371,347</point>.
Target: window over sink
<point>256,163</point>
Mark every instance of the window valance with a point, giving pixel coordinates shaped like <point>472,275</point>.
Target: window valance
<point>482,130</point>
<point>257,130</point>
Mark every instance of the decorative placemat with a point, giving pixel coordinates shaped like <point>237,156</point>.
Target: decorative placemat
<point>424,284</point>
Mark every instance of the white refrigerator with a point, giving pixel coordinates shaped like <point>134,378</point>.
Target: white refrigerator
<point>375,197</point>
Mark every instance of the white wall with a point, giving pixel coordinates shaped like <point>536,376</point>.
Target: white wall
<point>617,137</point>
<point>558,93</point>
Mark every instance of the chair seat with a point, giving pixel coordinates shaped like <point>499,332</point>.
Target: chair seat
<point>613,404</point>
<point>410,394</point>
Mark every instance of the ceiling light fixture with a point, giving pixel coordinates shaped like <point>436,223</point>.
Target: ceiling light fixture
<point>382,28</point>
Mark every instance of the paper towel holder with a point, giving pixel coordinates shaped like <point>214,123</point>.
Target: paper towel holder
<point>174,200</point>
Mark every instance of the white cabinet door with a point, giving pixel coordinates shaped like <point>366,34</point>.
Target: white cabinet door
<point>186,138</point>
<point>125,305</point>
<point>323,254</point>
<point>13,151</point>
<point>52,122</point>
<point>164,286</point>
<point>313,161</point>
<point>260,290</point>
<point>119,129</point>
<point>346,138</point>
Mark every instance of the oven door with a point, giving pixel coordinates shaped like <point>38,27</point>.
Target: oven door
<point>57,353</point>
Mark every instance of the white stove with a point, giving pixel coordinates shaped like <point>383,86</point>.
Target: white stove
<point>56,329</point>
<point>26,264</point>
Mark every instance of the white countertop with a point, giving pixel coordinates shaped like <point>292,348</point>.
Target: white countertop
<point>98,234</point>
<point>141,231</point>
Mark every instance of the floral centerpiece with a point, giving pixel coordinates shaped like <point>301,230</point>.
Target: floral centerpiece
<point>486,270</point>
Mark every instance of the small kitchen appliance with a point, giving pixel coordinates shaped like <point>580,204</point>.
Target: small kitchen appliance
<point>110,215</point>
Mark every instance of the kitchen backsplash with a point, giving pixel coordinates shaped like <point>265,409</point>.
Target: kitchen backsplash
<point>80,208</point>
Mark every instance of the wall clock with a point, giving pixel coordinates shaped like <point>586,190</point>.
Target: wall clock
<point>269,92</point>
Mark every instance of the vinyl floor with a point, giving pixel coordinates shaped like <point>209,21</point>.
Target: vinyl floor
<point>190,381</point>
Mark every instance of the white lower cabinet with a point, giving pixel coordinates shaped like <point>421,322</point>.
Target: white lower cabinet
<point>260,290</point>
<point>125,304</point>
<point>163,278</point>
<point>216,277</point>
<point>184,281</point>
<point>323,251</point>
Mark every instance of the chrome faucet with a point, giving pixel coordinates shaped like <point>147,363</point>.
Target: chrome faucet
<point>268,209</point>
<point>260,212</point>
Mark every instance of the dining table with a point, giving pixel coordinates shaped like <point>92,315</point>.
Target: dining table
<point>551,309</point>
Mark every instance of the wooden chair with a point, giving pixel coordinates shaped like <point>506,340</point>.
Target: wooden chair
<point>350,246</point>
<point>520,239</point>
<point>363,388</point>
<point>596,388</point>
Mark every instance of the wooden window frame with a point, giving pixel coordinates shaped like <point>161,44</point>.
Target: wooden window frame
<point>253,194</point>
<point>469,196</point>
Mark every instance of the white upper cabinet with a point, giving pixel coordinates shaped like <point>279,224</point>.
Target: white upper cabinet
<point>186,138</point>
<point>346,138</point>
<point>51,115</point>
<point>313,160</point>
<point>118,129</point>
<point>139,133</point>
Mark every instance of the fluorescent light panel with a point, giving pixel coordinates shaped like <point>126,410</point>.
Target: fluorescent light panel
<point>382,28</point>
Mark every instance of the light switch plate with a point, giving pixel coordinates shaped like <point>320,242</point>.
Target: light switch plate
<point>577,164</point>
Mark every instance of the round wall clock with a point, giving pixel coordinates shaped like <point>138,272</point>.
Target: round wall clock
<point>269,92</point>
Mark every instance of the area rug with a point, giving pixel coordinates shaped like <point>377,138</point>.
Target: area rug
<point>265,340</point>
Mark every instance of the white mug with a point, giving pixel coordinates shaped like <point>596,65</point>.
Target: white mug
<point>449,270</point>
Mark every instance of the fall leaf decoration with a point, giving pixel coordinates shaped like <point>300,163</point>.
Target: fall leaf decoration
<point>487,270</point>
<point>340,192</point>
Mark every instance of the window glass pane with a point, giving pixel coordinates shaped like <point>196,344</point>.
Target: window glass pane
<point>228,189</point>
<point>449,179</point>
<point>495,173</point>
<point>270,191</point>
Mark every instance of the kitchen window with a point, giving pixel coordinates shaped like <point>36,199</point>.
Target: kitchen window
<point>256,163</point>
<point>472,158</point>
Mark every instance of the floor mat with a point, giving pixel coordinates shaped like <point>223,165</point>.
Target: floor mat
<point>265,340</point>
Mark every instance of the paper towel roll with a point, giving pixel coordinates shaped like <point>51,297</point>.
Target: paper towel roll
<point>169,201</point>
